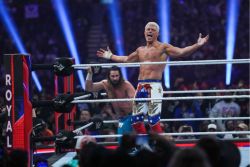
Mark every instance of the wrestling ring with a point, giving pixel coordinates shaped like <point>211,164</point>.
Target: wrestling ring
<point>64,104</point>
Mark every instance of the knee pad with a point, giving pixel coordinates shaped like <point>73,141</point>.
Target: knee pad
<point>137,118</point>
<point>156,128</point>
<point>138,123</point>
<point>154,119</point>
<point>154,122</point>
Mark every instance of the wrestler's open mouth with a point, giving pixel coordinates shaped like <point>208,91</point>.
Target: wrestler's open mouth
<point>149,35</point>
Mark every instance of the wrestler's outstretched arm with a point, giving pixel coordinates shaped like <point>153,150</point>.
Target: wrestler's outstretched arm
<point>107,54</point>
<point>183,52</point>
<point>89,85</point>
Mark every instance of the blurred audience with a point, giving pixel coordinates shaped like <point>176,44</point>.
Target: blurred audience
<point>188,19</point>
<point>224,108</point>
<point>188,157</point>
<point>242,127</point>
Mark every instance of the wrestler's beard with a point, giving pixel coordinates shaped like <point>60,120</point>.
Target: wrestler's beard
<point>115,83</point>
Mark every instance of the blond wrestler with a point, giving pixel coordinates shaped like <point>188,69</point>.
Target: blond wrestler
<point>149,81</point>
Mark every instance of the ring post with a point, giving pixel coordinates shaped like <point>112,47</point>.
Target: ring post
<point>57,115</point>
<point>19,107</point>
<point>68,87</point>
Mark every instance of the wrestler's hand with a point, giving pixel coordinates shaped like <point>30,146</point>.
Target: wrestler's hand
<point>90,70</point>
<point>202,41</point>
<point>94,70</point>
<point>106,54</point>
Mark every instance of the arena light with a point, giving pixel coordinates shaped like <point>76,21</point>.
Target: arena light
<point>68,35</point>
<point>164,22</point>
<point>15,36</point>
<point>232,21</point>
<point>116,24</point>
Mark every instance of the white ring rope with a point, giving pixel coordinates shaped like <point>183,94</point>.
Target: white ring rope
<point>83,127</point>
<point>88,95</point>
<point>162,98</point>
<point>173,134</point>
<point>170,63</point>
<point>181,92</point>
<point>82,97</point>
<point>188,119</point>
<point>207,91</point>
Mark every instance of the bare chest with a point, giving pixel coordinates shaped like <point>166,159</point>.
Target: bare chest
<point>151,54</point>
<point>119,92</point>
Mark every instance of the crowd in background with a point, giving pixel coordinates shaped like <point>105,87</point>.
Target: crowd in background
<point>156,151</point>
<point>42,37</point>
<point>187,20</point>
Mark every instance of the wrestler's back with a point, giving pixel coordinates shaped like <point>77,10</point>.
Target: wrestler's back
<point>152,54</point>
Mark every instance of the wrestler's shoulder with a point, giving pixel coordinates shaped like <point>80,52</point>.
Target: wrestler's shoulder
<point>127,85</point>
<point>163,44</point>
<point>127,82</point>
<point>140,47</point>
<point>105,81</point>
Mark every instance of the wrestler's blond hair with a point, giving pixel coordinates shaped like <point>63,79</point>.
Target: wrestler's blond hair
<point>154,24</point>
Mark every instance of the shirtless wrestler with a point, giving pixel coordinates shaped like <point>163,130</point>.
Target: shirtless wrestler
<point>149,81</point>
<point>116,87</point>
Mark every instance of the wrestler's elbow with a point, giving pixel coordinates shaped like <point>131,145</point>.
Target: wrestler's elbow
<point>177,54</point>
<point>130,60</point>
<point>89,88</point>
<point>125,59</point>
<point>181,53</point>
